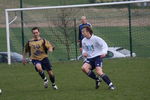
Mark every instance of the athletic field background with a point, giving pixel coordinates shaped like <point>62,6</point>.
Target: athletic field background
<point>110,23</point>
<point>115,37</point>
<point>130,76</point>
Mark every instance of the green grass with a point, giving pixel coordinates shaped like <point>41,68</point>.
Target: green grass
<point>130,76</point>
<point>3,46</point>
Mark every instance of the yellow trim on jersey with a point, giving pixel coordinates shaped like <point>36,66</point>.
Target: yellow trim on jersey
<point>36,48</point>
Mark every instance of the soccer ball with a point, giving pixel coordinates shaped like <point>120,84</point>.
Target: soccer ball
<point>0,91</point>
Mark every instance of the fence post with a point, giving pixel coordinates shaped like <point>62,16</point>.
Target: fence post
<point>130,28</point>
<point>22,25</point>
<point>75,33</point>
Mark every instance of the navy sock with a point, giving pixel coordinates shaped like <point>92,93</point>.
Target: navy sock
<point>42,75</point>
<point>92,75</point>
<point>106,79</point>
<point>52,78</point>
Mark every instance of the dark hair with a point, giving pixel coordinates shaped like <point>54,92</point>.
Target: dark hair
<point>89,29</point>
<point>35,28</point>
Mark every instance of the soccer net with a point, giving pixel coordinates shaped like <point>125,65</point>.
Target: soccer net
<point>121,24</point>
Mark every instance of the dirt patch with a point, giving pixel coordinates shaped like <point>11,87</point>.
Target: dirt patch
<point>98,17</point>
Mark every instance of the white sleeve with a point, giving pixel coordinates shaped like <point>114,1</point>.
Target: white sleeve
<point>103,45</point>
<point>83,48</point>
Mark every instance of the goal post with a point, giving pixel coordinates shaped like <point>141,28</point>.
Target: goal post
<point>8,22</point>
<point>79,5</point>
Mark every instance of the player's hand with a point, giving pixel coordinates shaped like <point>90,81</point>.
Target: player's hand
<point>80,49</point>
<point>103,55</point>
<point>85,54</point>
<point>50,49</point>
<point>53,48</point>
<point>24,61</point>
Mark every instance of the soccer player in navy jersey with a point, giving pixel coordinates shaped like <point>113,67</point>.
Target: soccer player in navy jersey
<point>83,23</point>
<point>37,48</point>
<point>94,49</point>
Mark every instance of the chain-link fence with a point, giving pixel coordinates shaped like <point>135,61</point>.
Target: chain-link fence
<point>60,26</point>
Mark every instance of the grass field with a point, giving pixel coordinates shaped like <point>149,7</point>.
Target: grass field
<point>130,76</point>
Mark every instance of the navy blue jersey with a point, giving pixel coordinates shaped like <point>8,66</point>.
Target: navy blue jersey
<point>80,28</point>
<point>80,32</point>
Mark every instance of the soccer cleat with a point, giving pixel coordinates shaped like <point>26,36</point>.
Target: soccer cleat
<point>98,83</point>
<point>54,87</point>
<point>46,84</point>
<point>111,87</point>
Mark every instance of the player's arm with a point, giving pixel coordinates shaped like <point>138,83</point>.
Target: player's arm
<point>50,49</point>
<point>25,51</point>
<point>80,39</point>
<point>79,36</point>
<point>49,46</point>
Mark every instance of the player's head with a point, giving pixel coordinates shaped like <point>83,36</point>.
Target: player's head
<point>87,31</point>
<point>83,20</point>
<point>36,31</point>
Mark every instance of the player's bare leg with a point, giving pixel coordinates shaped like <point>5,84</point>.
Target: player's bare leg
<point>86,68</point>
<point>41,73</point>
<point>106,79</point>
<point>52,78</point>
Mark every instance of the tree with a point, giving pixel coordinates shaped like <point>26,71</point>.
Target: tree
<point>62,26</point>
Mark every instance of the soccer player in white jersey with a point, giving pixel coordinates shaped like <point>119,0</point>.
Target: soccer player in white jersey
<point>94,49</point>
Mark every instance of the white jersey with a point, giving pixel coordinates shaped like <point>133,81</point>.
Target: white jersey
<point>94,46</point>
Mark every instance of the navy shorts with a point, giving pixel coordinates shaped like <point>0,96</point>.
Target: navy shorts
<point>45,63</point>
<point>94,62</point>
